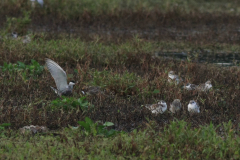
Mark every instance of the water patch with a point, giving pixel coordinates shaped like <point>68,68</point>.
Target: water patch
<point>218,58</point>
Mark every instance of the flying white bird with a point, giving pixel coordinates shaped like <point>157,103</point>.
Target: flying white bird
<point>60,78</point>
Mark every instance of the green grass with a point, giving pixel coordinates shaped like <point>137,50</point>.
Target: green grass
<point>125,83</point>
<point>19,14</point>
<point>176,141</point>
<point>71,8</point>
<point>103,51</point>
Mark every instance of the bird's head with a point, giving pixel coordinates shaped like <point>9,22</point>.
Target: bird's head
<point>14,34</point>
<point>72,83</point>
<point>177,101</point>
<point>208,82</point>
<point>161,102</point>
<point>192,102</point>
<point>171,73</point>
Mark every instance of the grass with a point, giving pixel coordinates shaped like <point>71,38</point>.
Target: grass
<point>102,51</point>
<point>177,141</point>
<point>115,14</point>
<point>126,69</point>
<point>74,7</point>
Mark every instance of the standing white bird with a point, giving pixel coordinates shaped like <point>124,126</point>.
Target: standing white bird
<point>14,35</point>
<point>193,107</point>
<point>160,107</point>
<point>26,39</point>
<point>60,78</point>
<point>208,85</point>
<point>190,86</point>
<point>175,106</point>
<point>173,77</point>
<point>92,90</point>
<point>204,87</point>
<point>11,36</point>
<point>41,2</point>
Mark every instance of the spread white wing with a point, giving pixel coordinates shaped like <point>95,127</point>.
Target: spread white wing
<point>58,74</point>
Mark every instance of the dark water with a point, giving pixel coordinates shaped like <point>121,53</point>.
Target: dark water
<point>198,55</point>
<point>223,59</point>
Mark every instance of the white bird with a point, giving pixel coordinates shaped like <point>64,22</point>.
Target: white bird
<point>160,107</point>
<point>14,34</point>
<point>173,77</point>
<point>92,90</point>
<point>26,39</point>
<point>175,106</point>
<point>11,36</point>
<point>41,2</point>
<point>193,107</point>
<point>204,87</point>
<point>208,85</point>
<point>190,87</point>
<point>60,78</point>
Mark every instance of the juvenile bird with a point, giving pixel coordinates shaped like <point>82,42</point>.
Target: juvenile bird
<point>190,87</point>
<point>175,106</point>
<point>204,87</point>
<point>160,107</point>
<point>173,77</point>
<point>92,90</point>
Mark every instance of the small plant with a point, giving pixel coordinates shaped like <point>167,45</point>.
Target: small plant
<point>126,83</point>
<point>2,128</point>
<point>71,103</point>
<point>19,25</point>
<point>8,67</point>
<point>156,91</point>
<point>95,129</point>
<point>26,71</point>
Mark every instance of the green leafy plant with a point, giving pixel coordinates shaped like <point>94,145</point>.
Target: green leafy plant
<point>156,91</point>
<point>94,129</point>
<point>8,67</point>
<point>19,25</point>
<point>26,71</point>
<point>2,128</point>
<point>71,103</point>
<point>35,68</point>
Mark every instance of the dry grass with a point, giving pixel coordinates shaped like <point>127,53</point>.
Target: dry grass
<point>194,21</point>
<point>131,75</point>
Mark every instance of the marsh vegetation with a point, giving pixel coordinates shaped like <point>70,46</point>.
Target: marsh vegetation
<point>115,45</point>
